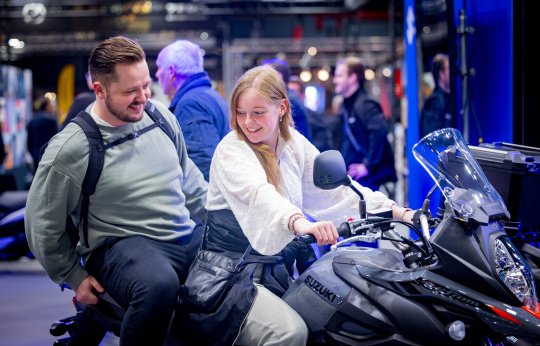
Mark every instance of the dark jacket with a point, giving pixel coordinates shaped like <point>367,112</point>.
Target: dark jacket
<point>41,129</point>
<point>80,103</point>
<point>299,115</point>
<point>222,326</point>
<point>365,120</point>
<point>203,117</point>
<point>436,113</point>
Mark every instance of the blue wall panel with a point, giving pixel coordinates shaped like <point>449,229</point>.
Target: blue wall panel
<point>490,55</point>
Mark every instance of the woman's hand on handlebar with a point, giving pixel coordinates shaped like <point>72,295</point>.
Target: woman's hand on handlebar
<point>324,231</point>
<point>403,214</point>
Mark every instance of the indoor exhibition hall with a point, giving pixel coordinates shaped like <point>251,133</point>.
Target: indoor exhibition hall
<point>268,172</point>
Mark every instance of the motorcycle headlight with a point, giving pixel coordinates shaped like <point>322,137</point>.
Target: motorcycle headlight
<point>514,272</point>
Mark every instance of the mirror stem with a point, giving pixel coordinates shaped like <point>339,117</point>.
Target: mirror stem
<point>362,205</point>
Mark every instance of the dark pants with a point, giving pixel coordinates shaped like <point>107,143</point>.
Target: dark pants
<point>144,277</point>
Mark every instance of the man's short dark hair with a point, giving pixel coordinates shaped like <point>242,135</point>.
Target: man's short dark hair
<point>109,53</point>
<point>297,80</point>
<point>437,65</point>
<point>354,65</point>
<point>281,66</point>
<point>43,102</point>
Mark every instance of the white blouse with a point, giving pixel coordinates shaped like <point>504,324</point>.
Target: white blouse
<point>238,183</point>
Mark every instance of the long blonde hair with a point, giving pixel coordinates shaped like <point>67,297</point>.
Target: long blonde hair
<point>267,83</point>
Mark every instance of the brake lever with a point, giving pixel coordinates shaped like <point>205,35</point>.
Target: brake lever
<point>369,237</point>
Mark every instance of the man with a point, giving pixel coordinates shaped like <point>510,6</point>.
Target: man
<point>300,118</point>
<point>141,238</point>
<point>41,128</point>
<point>81,101</point>
<point>200,110</point>
<point>436,112</point>
<point>365,145</point>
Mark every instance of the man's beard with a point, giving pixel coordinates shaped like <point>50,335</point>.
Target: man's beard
<point>121,114</point>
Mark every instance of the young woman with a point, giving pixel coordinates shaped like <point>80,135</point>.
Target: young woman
<point>261,187</point>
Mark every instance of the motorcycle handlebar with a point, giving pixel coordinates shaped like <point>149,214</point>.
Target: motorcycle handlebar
<point>344,230</point>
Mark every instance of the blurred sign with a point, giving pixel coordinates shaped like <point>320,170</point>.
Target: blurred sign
<point>66,90</point>
<point>181,12</point>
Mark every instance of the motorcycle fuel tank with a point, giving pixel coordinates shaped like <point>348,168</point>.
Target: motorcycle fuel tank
<point>318,292</point>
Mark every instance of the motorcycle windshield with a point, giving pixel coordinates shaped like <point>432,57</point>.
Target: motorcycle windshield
<point>448,160</point>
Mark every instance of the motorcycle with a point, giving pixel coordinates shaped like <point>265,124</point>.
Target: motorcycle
<point>465,283</point>
<point>13,243</point>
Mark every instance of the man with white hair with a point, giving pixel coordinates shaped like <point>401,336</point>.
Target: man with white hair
<point>201,110</point>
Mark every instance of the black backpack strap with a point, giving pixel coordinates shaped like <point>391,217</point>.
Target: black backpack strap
<point>159,119</point>
<point>130,136</point>
<point>96,160</point>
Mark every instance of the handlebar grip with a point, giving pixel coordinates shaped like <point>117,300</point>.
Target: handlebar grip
<point>308,239</point>
<point>343,230</point>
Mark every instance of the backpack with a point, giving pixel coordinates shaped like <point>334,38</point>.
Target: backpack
<point>96,157</point>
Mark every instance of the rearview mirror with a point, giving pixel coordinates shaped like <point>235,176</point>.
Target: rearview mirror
<point>330,171</point>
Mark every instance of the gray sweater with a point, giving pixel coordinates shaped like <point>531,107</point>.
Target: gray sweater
<point>147,187</point>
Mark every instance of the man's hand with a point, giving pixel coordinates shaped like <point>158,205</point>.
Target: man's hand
<point>324,231</point>
<point>357,170</point>
<point>84,292</point>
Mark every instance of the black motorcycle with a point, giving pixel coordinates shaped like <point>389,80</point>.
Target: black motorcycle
<point>13,243</point>
<point>465,283</point>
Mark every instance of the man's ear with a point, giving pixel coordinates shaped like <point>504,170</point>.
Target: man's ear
<point>99,90</point>
<point>173,73</point>
<point>354,79</point>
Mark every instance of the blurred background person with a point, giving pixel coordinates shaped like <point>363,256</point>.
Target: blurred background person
<point>436,113</point>
<point>81,101</point>
<point>42,127</point>
<point>201,110</point>
<point>335,122</point>
<point>297,106</point>
<point>318,127</point>
<point>2,150</point>
<point>365,146</point>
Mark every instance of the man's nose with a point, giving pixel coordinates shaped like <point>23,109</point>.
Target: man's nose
<point>141,96</point>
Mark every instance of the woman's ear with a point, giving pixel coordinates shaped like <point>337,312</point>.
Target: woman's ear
<point>283,107</point>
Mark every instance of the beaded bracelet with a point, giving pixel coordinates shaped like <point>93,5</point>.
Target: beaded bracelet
<point>293,220</point>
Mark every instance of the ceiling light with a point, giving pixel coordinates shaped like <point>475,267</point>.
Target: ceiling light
<point>16,43</point>
<point>34,12</point>
<point>323,75</point>
<point>369,74</point>
<point>305,76</point>
<point>146,7</point>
